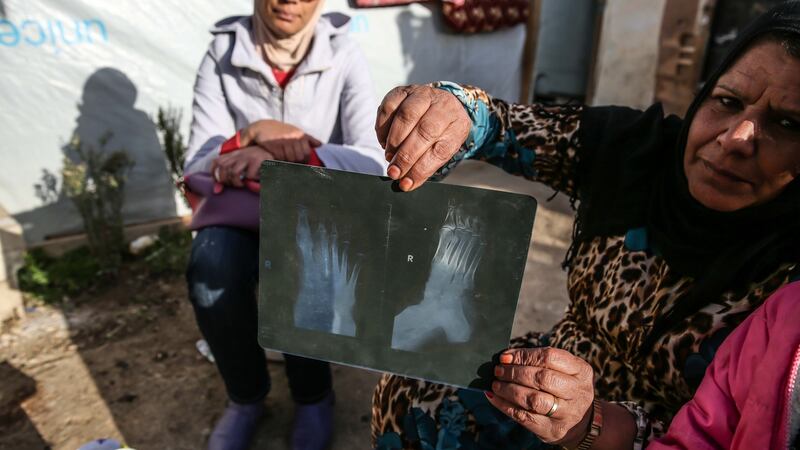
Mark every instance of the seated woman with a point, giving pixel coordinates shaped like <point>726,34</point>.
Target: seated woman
<point>684,227</point>
<point>287,79</point>
<point>750,396</point>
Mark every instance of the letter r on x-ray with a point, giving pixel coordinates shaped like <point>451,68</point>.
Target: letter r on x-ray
<point>448,289</point>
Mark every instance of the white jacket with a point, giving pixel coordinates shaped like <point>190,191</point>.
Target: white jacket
<point>330,96</point>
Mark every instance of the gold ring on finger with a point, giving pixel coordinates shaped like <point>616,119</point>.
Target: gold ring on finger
<point>553,408</point>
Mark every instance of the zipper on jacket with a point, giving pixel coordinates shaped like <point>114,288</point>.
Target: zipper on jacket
<point>269,90</point>
<point>283,101</point>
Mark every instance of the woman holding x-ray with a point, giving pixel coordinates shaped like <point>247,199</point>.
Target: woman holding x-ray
<point>684,227</point>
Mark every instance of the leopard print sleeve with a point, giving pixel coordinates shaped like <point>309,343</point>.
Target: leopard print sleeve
<point>537,142</point>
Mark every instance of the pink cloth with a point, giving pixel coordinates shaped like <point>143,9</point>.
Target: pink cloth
<point>744,399</point>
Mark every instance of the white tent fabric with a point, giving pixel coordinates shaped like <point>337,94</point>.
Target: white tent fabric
<point>94,66</point>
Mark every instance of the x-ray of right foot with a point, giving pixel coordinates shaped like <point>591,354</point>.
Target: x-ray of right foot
<point>448,289</point>
<point>327,284</point>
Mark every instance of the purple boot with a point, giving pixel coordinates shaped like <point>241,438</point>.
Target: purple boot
<point>313,425</point>
<point>236,427</point>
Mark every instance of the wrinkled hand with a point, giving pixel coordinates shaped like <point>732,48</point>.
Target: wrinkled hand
<point>233,168</point>
<point>529,380</point>
<point>420,128</point>
<point>283,141</point>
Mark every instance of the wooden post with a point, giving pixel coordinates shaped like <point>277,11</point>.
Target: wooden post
<point>591,82</point>
<point>685,30</point>
<point>529,52</point>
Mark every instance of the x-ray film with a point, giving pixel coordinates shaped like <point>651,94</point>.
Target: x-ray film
<point>423,284</point>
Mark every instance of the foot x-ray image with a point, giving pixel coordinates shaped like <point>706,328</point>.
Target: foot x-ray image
<point>449,288</point>
<point>327,288</point>
<point>423,284</point>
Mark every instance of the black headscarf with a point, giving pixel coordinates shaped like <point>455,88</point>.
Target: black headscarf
<point>632,176</point>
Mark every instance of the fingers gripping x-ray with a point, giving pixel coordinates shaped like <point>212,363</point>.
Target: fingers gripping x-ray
<point>327,285</point>
<point>449,287</point>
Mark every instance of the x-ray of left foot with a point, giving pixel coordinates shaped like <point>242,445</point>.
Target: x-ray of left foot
<point>327,283</point>
<point>448,289</point>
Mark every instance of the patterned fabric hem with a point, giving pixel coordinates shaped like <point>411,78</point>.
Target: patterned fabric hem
<point>484,125</point>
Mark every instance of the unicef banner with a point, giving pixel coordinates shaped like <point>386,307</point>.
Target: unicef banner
<point>101,69</point>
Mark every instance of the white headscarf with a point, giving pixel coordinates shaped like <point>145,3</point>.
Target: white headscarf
<point>282,52</point>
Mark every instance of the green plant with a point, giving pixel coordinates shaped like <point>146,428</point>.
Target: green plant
<point>169,125</point>
<point>170,255</point>
<point>51,279</point>
<point>95,182</point>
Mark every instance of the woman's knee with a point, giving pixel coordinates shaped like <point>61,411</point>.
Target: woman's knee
<point>220,267</point>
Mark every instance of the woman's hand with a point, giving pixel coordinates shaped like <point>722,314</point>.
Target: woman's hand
<point>233,168</point>
<point>420,128</point>
<point>283,141</point>
<point>531,381</point>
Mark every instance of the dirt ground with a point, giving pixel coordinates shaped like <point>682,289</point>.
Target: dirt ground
<point>121,363</point>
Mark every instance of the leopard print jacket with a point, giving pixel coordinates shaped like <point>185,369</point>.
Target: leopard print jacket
<point>616,291</point>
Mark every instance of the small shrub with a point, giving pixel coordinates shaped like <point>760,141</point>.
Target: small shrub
<point>51,279</point>
<point>95,182</point>
<point>169,125</point>
<point>170,255</point>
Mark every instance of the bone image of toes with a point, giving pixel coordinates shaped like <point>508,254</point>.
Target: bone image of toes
<point>327,282</point>
<point>344,290</point>
<point>449,288</point>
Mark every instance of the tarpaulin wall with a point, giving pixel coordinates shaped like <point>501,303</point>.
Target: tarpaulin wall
<point>89,67</point>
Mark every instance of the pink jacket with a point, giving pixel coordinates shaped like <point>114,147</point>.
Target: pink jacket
<point>749,396</point>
